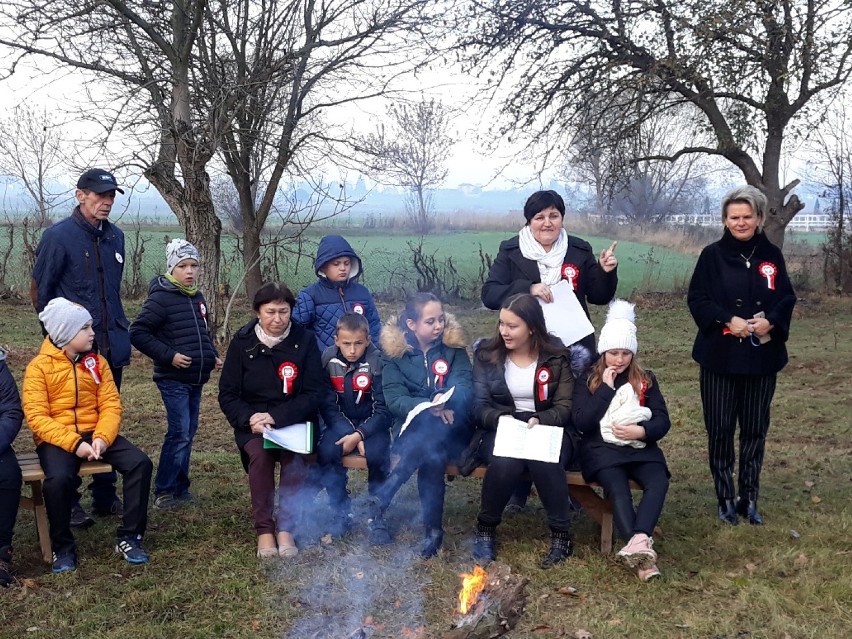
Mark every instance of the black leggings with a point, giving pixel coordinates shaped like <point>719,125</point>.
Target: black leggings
<point>653,478</point>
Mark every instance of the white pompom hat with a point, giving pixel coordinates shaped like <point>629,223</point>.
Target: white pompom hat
<point>619,331</point>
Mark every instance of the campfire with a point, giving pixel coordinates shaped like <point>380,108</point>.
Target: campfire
<point>472,585</point>
<point>490,604</point>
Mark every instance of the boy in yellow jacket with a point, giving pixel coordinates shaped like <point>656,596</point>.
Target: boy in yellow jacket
<point>73,408</point>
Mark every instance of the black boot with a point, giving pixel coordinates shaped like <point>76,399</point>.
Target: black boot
<point>483,545</point>
<point>432,542</point>
<point>6,577</point>
<point>728,512</point>
<point>560,549</point>
<point>379,532</point>
<point>748,508</point>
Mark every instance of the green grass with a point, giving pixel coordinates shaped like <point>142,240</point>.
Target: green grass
<point>719,581</point>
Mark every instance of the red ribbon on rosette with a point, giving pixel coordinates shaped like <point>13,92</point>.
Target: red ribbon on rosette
<point>571,273</point>
<point>362,382</point>
<point>288,372</point>
<point>769,271</point>
<point>90,363</point>
<point>642,388</point>
<point>542,377</point>
<point>440,367</point>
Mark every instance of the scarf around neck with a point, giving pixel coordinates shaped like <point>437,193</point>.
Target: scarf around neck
<point>186,290</point>
<point>270,340</point>
<point>549,262</point>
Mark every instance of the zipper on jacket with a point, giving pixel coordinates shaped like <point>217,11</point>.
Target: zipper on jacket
<point>76,396</point>
<point>88,268</point>
<point>198,333</point>
<point>342,297</point>
<point>105,347</point>
<point>426,364</point>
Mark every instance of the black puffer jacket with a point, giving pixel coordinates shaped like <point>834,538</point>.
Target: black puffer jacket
<point>589,409</point>
<point>173,322</point>
<point>11,414</point>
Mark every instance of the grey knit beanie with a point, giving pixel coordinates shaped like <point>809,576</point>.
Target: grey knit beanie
<point>63,319</point>
<point>178,250</point>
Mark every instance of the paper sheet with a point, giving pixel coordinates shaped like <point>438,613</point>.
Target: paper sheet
<point>564,316</point>
<point>539,443</point>
<point>414,412</point>
<point>298,438</point>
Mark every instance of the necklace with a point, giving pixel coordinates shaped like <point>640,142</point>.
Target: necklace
<point>748,259</point>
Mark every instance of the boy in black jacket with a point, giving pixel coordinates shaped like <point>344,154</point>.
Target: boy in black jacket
<point>355,418</point>
<point>172,330</point>
<point>11,416</point>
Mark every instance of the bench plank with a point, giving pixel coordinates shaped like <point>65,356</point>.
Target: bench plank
<point>33,475</point>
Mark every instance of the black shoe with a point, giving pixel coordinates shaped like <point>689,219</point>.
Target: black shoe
<point>379,532</point>
<point>484,547</point>
<point>728,512</point>
<point>6,577</point>
<point>560,549</point>
<point>66,562</point>
<point>432,542</point>
<point>748,508</point>
<point>80,518</point>
<point>114,508</point>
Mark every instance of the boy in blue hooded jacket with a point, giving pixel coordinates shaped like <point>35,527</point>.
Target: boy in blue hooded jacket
<point>336,291</point>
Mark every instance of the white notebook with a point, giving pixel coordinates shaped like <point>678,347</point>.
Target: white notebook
<point>298,438</point>
<point>539,443</point>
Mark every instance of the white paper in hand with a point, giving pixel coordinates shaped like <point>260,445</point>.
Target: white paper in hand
<point>414,412</point>
<point>298,438</point>
<point>539,443</point>
<point>564,316</point>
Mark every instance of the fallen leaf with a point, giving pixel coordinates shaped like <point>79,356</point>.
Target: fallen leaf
<point>682,625</point>
<point>570,591</point>
<point>794,534</point>
<point>810,484</point>
<point>801,561</point>
<point>542,627</point>
<point>33,629</point>
<point>359,575</point>
<point>614,622</point>
<point>544,596</point>
<point>368,621</point>
<point>750,567</point>
<point>815,499</point>
<point>582,634</point>
<point>255,625</point>
<point>326,540</point>
<point>32,584</point>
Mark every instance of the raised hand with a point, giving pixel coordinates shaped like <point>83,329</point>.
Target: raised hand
<point>607,258</point>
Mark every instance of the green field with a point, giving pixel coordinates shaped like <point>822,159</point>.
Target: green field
<point>388,268</point>
<point>786,579</point>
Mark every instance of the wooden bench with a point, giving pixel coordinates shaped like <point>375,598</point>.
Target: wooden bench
<point>596,506</point>
<point>33,476</point>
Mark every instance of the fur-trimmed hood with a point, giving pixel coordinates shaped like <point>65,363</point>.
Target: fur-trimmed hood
<point>395,344</point>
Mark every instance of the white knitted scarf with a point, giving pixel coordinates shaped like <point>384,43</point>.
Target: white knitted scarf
<point>549,262</point>
<point>270,340</point>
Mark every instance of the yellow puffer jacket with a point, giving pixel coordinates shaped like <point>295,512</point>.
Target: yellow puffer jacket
<point>62,399</point>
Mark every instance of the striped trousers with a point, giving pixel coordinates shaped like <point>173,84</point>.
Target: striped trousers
<point>728,399</point>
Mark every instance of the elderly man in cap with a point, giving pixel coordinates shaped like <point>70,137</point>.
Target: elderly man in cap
<point>81,258</point>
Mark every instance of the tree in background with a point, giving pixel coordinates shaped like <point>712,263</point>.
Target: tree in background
<point>751,73</point>
<point>185,79</point>
<point>411,151</point>
<point>31,153</point>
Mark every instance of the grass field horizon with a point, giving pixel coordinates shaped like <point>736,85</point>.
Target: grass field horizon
<point>788,579</point>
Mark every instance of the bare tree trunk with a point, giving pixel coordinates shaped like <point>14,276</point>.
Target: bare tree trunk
<point>251,253</point>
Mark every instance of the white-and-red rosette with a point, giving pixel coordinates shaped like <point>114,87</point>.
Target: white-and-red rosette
<point>288,372</point>
<point>362,382</point>
<point>358,308</point>
<point>542,378</point>
<point>90,363</point>
<point>440,367</point>
<point>571,273</point>
<point>769,271</point>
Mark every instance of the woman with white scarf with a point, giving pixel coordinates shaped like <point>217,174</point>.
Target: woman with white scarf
<point>539,257</point>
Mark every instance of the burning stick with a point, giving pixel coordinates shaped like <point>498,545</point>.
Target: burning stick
<point>490,603</point>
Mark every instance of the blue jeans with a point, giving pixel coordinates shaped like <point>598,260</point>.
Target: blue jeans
<point>182,402</point>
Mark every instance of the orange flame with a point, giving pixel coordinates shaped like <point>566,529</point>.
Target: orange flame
<point>472,585</point>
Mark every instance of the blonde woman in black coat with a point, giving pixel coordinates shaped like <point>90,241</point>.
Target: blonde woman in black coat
<point>741,299</point>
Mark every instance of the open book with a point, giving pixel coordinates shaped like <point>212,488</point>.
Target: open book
<point>539,443</point>
<point>414,412</point>
<point>298,438</point>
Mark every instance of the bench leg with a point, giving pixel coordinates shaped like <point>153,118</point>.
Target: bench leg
<point>42,527</point>
<point>598,509</point>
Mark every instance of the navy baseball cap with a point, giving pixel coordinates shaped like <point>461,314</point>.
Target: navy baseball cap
<point>99,181</point>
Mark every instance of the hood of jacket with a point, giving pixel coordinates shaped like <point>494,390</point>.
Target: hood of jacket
<point>332,247</point>
<point>161,283</point>
<point>3,354</point>
<point>395,343</point>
